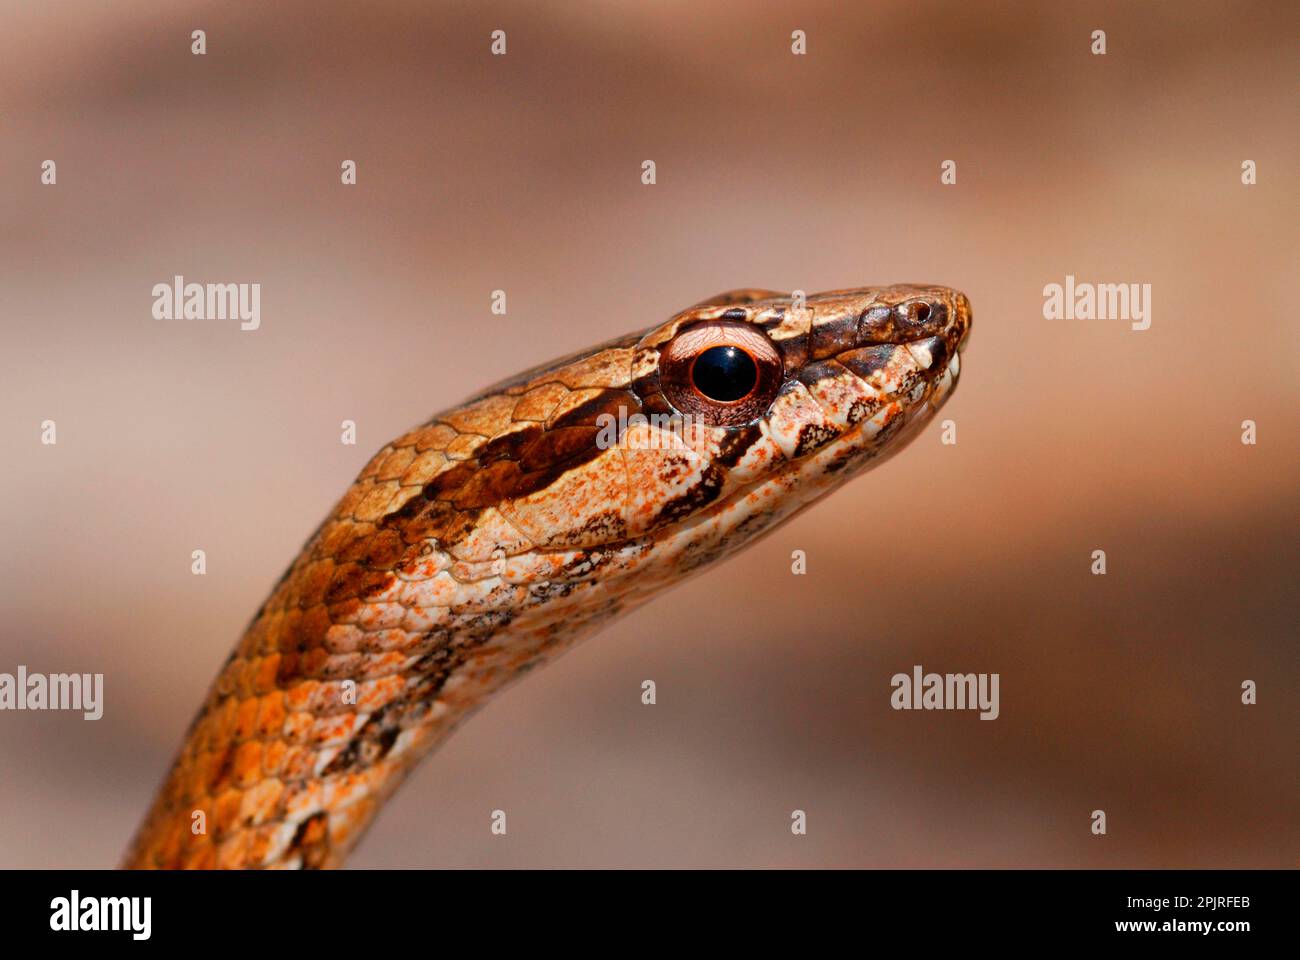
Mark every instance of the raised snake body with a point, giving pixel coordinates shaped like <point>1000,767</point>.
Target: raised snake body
<point>498,534</point>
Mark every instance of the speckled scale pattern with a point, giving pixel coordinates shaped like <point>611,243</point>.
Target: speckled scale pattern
<point>497,535</point>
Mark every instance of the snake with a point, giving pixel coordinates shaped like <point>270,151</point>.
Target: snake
<point>498,534</point>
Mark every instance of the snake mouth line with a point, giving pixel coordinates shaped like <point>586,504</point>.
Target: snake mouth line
<point>919,398</point>
<point>932,359</point>
<point>916,376</point>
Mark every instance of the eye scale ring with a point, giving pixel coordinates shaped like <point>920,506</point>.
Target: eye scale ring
<point>724,372</point>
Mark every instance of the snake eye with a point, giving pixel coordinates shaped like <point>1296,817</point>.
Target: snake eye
<point>723,372</point>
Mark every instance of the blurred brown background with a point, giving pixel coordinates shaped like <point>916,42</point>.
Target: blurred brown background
<point>522,172</point>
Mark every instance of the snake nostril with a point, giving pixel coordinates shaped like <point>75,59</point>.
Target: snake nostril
<point>919,313</point>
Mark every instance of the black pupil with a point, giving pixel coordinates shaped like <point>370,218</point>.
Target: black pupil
<point>724,373</point>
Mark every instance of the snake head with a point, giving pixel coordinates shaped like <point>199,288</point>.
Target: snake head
<point>743,407</point>
<point>779,399</point>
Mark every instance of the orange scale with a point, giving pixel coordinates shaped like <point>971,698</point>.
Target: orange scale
<point>224,816</point>
<point>425,568</point>
<point>384,640</point>
<point>273,758</point>
<point>200,857</point>
<point>169,850</point>
<point>248,763</point>
<point>265,677</point>
<point>331,730</point>
<point>301,695</point>
<point>344,638</point>
<point>328,698</point>
<point>384,664</point>
<point>349,821</point>
<point>374,694</point>
<point>224,721</point>
<point>297,724</point>
<point>312,662</point>
<point>232,853</point>
<point>301,800</point>
<point>246,718</point>
<point>196,784</point>
<point>299,764</point>
<point>441,591</point>
<point>341,665</point>
<point>379,616</point>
